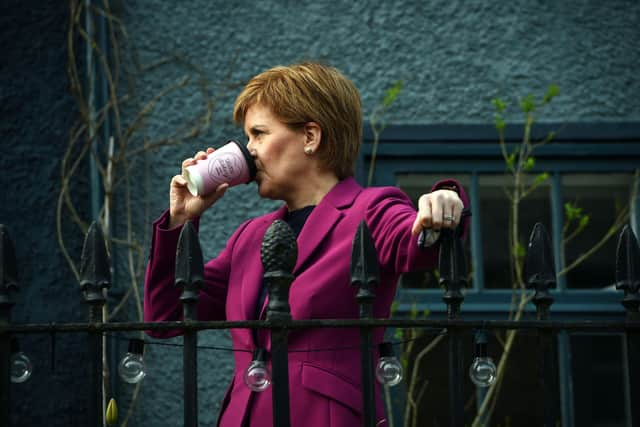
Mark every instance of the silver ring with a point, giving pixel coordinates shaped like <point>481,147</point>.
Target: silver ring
<point>449,218</point>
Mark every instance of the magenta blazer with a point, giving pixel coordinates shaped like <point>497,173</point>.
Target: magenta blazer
<point>324,385</point>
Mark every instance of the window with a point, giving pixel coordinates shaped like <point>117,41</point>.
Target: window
<point>593,168</point>
<point>605,199</point>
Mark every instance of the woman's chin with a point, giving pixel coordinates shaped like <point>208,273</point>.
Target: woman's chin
<point>263,190</point>
<point>267,192</point>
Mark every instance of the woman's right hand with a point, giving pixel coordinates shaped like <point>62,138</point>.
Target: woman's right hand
<point>183,205</point>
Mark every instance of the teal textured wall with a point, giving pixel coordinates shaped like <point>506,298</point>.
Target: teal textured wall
<point>453,58</point>
<point>36,113</point>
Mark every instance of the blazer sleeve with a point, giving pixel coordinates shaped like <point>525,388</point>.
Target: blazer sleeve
<point>162,297</point>
<point>390,216</point>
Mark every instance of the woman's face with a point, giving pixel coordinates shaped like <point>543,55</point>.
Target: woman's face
<point>279,154</point>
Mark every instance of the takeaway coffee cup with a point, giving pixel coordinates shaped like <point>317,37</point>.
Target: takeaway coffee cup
<point>230,163</point>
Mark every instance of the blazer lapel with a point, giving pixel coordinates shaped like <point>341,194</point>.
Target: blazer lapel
<point>323,219</point>
<point>318,226</point>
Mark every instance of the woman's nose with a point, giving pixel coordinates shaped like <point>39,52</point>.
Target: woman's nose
<point>251,150</point>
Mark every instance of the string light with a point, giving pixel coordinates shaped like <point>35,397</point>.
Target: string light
<point>257,376</point>
<point>482,370</point>
<point>389,370</point>
<point>132,368</point>
<point>21,368</point>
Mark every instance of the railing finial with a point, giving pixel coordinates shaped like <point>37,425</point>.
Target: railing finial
<point>279,253</point>
<point>539,269</point>
<point>453,271</point>
<point>8,268</point>
<point>189,274</point>
<point>365,271</point>
<point>95,270</point>
<point>628,270</point>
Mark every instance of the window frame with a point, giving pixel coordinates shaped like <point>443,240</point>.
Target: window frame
<point>474,150</point>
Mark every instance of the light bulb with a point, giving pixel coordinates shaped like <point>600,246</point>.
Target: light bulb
<point>131,367</point>
<point>257,376</point>
<point>21,368</point>
<point>482,371</point>
<point>389,370</point>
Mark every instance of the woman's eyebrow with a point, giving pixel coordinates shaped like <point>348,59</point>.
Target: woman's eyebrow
<point>255,128</point>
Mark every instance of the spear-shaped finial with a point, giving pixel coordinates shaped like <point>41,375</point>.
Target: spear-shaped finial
<point>365,271</point>
<point>628,269</point>
<point>453,271</point>
<point>8,268</point>
<point>95,271</point>
<point>539,269</point>
<point>189,273</point>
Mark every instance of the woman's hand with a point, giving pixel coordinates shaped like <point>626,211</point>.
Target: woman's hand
<point>439,209</point>
<point>183,205</point>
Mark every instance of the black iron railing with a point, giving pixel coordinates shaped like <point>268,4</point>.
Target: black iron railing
<point>278,257</point>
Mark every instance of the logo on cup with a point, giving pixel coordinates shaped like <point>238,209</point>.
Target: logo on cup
<point>226,166</point>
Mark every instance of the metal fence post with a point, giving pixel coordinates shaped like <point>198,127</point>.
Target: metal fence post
<point>628,280</point>
<point>539,274</point>
<point>189,276</point>
<point>279,253</point>
<point>365,275</point>
<point>95,277</point>
<point>453,277</point>
<point>8,285</point>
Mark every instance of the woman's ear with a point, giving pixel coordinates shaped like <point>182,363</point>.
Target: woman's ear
<point>313,136</point>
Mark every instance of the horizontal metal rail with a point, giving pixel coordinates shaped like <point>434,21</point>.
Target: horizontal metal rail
<point>549,325</point>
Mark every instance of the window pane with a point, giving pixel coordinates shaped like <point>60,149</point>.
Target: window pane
<point>495,207</point>
<point>601,197</point>
<point>597,375</point>
<point>415,185</point>
<point>520,398</point>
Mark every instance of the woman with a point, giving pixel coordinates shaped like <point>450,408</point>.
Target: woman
<point>304,128</point>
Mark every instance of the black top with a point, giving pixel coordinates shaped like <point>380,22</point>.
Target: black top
<point>296,219</point>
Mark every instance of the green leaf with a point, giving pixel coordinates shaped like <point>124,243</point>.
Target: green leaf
<point>398,335</point>
<point>539,179</point>
<point>568,210</point>
<point>529,164</point>
<point>528,103</point>
<point>394,307</point>
<point>413,311</point>
<point>392,93</point>
<point>426,312</point>
<point>499,104</point>
<point>511,160</point>
<point>500,124</point>
<point>552,91</point>
<point>584,221</point>
<point>571,211</point>
<point>551,135</point>
<point>520,250</point>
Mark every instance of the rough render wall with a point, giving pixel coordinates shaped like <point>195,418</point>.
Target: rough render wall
<point>36,113</point>
<point>452,56</point>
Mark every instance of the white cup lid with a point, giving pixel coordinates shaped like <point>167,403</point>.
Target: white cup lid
<point>194,182</point>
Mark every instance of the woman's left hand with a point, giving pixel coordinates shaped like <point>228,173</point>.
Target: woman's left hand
<point>438,209</point>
